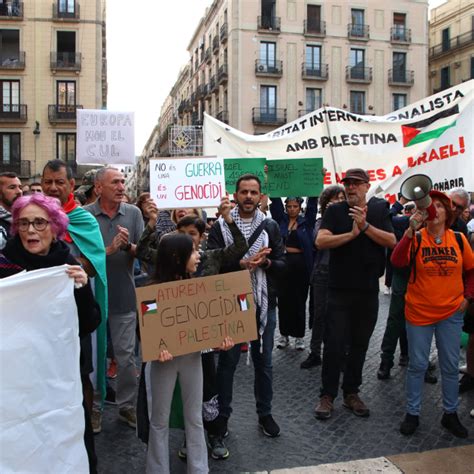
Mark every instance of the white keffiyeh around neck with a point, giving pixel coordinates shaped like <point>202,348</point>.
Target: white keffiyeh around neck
<point>259,277</point>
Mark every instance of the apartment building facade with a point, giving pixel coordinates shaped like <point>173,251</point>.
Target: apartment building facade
<point>451,53</point>
<point>52,62</point>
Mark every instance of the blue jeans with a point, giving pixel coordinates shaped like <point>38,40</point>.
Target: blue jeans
<point>262,361</point>
<point>448,340</point>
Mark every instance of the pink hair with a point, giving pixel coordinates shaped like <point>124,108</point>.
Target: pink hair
<point>58,219</point>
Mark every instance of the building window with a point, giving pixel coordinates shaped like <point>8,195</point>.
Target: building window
<point>66,96</point>
<point>399,101</point>
<point>314,19</point>
<point>66,42</point>
<point>10,99</point>
<point>358,102</point>
<point>357,22</point>
<point>267,54</point>
<point>313,99</point>
<point>399,67</point>
<point>399,27</point>
<point>10,151</point>
<point>445,39</point>
<point>66,147</point>
<point>357,63</point>
<point>9,47</point>
<point>268,102</point>
<point>445,79</point>
<point>66,6</point>
<point>313,57</point>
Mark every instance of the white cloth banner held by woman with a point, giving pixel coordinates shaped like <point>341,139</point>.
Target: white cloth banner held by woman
<point>41,414</point>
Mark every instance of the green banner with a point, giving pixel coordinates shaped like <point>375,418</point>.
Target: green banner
<point>295,177</point>
<point>234,168</point>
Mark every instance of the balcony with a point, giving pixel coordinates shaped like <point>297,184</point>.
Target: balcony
<point>187,106</point>
<point>317,72</point>
<point>401,77</point>
<point>223,116</point>
<point>222,74</point>
<point>12,11</point>
<point>456,43</point>
<point>14,113</point>
<point>358,32</point>
<point>224,33</point>
<point>13,61</point>
<point>269,24</point>
<point>65,61</point>
<point>62,113</point>
<point>181,107</point>
<point>314,28</point>
<point>200,91</point>
<point>400,35</point>
<point>61,14</point>
<point>208,55</point>
<point>269,68</point>
<point>193,98</point>
<point>361,75</point>
<point>268,116</point>
<point>207,90</point>
<point>196,119</point>
<point>20,167</point>
<point>214,84</point>
<point>215,44</point>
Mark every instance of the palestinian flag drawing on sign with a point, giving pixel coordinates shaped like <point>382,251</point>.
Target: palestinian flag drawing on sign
<point>430,128</point>
<point>149,307</point>
<point>243,302</point>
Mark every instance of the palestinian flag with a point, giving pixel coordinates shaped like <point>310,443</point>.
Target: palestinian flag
<point>430,128</point>
<point>149,307</point>
<point>243,302</point>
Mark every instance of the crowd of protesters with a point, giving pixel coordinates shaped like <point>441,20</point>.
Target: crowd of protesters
<point>338,259</point>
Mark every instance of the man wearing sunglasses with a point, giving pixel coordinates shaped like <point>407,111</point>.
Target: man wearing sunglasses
<point>460,200</point>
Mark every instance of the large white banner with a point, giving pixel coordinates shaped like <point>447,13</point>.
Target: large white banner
<point>41,414</point>
<point>105,137</point>
<point>433,136</point>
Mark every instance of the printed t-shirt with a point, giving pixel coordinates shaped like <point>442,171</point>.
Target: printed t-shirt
<point>438,289</point>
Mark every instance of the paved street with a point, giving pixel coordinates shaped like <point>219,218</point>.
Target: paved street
<point>304,440</point>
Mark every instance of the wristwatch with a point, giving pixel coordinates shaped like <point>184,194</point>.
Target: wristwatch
<point>127,247</point>
<point>364,228</point>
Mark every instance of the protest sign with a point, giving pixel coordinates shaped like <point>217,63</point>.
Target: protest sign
<point>41,413</point>
<point>105,137</point>
<point>432,136</point>
<point>295,177</point>
<point>236,167</point>
<point>186,316</point>
<point>187,182</point>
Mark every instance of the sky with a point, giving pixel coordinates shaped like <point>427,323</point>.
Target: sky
<point>147,44</point>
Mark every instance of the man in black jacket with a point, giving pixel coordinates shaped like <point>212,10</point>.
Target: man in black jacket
<point>357,232</point>
<point>265,260</point>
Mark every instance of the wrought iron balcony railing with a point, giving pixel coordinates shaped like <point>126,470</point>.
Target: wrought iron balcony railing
<point>318,72</point>
<point>359,74</point>
<point>15,113</point>
<point>268,67</point>
<point>11,11</point>
<point>401,77</point>
<point>12,61</point>
<point>453,44</point>
<point>63,12</point>
<point>222,74</point>
<point>269,23</point>
<point>400,34</point>
<point>66,61</point>
<point>224,33</point>
<point>314,28</point>
<point>358,32</point>
<point>268,116</point>
<point>62,113</point>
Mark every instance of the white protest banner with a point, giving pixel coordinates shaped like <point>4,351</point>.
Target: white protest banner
<point>433,136</point>
<point>41,413</point>
<point>105,137</point>
<point>187,182</point>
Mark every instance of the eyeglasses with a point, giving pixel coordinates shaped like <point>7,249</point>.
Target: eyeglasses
<point>38,223</point>
<point>458,207</point>
<point>349,182</point>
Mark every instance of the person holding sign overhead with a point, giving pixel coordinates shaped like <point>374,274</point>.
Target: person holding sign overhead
<point>297,232</point>
<point>177,259</point>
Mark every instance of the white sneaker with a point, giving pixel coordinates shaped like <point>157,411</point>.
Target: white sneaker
<point>386,290</point>
<point>283,342</point>
<point>472,413</point>
<point>299,344</point>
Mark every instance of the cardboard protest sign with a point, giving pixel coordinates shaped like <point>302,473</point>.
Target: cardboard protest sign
<point>236,167</point>
<point>296,177</point>
<point>433,136</point>
<point>187,182</point>
<point>186,316</point>
<point>41,413</point>
<point>105,137</point>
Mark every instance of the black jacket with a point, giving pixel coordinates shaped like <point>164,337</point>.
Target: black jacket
<point>277,256</point>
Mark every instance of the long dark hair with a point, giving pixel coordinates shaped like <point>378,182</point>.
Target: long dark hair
<point>327,194</point>
<point>173,254</point>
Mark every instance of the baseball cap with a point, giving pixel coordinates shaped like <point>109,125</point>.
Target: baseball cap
<point>356,173</point>
<point>88,182</point>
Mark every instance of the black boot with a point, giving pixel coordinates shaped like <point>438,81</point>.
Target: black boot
<point>384,370</point>
<point>409,425</point>
<point>313,360</point>
<point>451,422</point>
